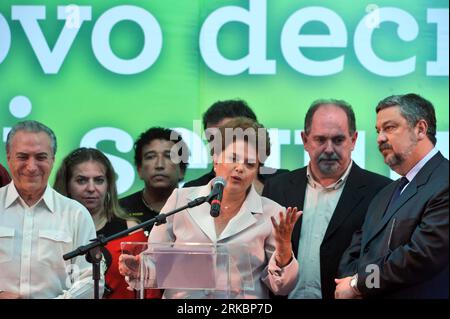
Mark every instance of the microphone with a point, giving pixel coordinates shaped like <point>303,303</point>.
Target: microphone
<point>219,184</point>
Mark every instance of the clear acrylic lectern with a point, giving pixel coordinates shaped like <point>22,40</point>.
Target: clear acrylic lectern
<point>193,270</point>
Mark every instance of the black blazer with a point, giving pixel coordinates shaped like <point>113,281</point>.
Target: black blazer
<point>204,179</point>
<point>408,243</point>
<point>361,186</point>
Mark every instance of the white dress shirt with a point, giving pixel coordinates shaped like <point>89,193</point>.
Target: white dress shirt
<point>250,227</point>
<point>415,170</point>
<point>33,241</point>
<point>319,206</point>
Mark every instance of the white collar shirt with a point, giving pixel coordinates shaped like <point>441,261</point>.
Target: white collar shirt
<point>33,241</point>
<point>415,170</point>
<point>319,206</point>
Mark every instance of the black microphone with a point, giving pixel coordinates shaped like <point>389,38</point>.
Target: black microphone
<point>219,184</point>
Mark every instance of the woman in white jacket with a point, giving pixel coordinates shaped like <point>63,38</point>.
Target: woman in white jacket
<point>256,224</point>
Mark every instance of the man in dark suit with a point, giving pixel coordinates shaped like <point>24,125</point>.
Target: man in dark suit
<point>402,249</point>
<point>333,193</point>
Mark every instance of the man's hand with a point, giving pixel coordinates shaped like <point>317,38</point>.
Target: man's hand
<point>8,295</point>
<point>344,290</point>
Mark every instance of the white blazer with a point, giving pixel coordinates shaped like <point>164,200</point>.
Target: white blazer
<point>251,226</point>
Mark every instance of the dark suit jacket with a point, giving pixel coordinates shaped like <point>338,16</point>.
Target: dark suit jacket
<point>409,243</point>
<point>204,179</point>
<point>361,186</point>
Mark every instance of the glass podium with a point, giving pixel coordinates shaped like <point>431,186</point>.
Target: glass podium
<point>193,270</point>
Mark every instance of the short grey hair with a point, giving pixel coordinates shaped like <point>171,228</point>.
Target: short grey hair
<point>341,104</point>
<point>413,108</point>
<point>34,127</point>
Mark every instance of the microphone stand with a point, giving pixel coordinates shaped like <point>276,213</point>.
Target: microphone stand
<point>93,253</point>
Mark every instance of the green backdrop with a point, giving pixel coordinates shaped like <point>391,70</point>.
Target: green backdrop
<point>86,103</point>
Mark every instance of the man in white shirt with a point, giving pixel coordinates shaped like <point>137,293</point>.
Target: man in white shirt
<point>38,225</point>
<point>332,191</point>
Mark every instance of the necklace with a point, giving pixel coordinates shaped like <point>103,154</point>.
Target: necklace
<point>145,202</point>
<point>100,221</point>
<point>232,208</point>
